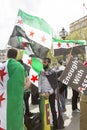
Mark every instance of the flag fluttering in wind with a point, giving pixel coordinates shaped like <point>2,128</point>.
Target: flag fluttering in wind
<point>11,95</point>
<point>35,30</point>
<point>64,47</point>
<point>35,67</point>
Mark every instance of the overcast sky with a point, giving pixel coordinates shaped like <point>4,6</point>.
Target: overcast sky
<point>58,13</point>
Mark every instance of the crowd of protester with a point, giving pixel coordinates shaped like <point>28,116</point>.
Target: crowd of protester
<point>46,87</point>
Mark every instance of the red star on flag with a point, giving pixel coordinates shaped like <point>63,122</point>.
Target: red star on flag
<point>1,128</point>
<point>1,98</point>
<point>31,33</point>
<point>2,73</point>
<point>29,61</point>
<point>59,45</point>
<point>68,45</point>
<point>19,21</point>
<point>43,39</point>
<point>34,78</point>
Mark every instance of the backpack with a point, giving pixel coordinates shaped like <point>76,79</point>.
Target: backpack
<point>33,122</point>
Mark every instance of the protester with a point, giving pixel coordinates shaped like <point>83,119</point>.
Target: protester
<point>27,85</point>
<point>75,95</point>
<point>45,87</point>
<point>14,83</point>
<point>62,87</point>
<point>34,95</point>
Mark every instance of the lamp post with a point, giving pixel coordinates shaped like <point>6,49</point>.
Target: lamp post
<point>63,33</point>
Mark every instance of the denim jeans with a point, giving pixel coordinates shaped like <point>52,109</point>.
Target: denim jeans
<point>62,101</point>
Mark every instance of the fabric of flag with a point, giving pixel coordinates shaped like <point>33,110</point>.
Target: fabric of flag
<point>26,59</point>
<point>35,30</point>
<point>35,67</point>
<point>17,37</point>
<point>45,113</point>
<point>33,75</point>
<point>80,49</point>
<point>64,47</point>
<point>11,95</point>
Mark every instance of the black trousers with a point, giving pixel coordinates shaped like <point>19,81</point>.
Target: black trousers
<point>74,99</point>
<point>53,110</point>
<point>26,101</point>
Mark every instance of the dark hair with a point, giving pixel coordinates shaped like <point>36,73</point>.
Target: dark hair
<point>47,59</point>
<point>12,53</point>
<point>21,61</point>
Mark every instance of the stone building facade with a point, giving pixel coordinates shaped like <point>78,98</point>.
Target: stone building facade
<point>79,24</point>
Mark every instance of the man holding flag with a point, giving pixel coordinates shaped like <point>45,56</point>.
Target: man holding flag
<point>11,93</point>
<point>46,90</point>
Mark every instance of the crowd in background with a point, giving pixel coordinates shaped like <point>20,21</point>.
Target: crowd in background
<point>46,87</point>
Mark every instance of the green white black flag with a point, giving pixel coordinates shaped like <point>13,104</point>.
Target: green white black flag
<point>35,30</point>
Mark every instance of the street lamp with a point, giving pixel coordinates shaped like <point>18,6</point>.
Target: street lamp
<point>63,33</point>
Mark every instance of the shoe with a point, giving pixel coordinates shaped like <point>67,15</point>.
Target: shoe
<point>56,128</point>
<point>76,110</point>
<point>29,114</point>
<point>61,128</point>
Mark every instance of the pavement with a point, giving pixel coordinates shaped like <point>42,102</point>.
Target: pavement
<point>71,119</point>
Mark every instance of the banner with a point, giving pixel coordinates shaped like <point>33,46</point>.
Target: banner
<point>75,76</point>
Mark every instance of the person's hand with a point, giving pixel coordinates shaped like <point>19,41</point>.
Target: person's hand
<point>47,95</point>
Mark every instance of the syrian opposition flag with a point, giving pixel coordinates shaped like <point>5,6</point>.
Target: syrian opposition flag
<point>36,31</point>
<point>64,47</point>
<point>11,95</point>
<point>35,65</point>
